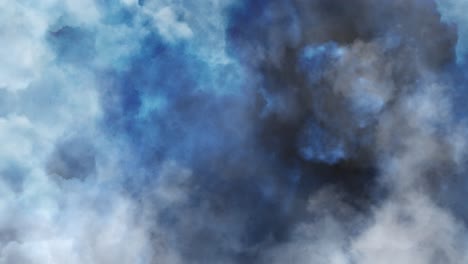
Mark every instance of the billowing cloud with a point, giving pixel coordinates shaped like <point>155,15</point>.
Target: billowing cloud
<point>233,132</point>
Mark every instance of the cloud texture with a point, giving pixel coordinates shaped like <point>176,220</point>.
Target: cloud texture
<point>164,131</point>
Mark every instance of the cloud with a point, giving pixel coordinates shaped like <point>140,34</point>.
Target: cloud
<point>231,132</point>
<point>452,12</point>
<point>412,230</point>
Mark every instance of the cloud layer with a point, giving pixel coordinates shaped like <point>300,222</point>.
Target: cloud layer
<point>162,131</point>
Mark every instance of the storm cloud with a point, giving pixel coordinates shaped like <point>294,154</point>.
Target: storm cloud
<point>163,131</point>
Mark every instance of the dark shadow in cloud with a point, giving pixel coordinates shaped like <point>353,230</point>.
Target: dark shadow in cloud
<point>72,44</point>
<point>73,158</point>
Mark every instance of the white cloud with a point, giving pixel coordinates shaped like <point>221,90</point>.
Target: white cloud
<point>23,51</point>
<point>170,27</point>
<point>412,230</point>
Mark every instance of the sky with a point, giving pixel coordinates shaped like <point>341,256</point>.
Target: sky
<point>233,131</point>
